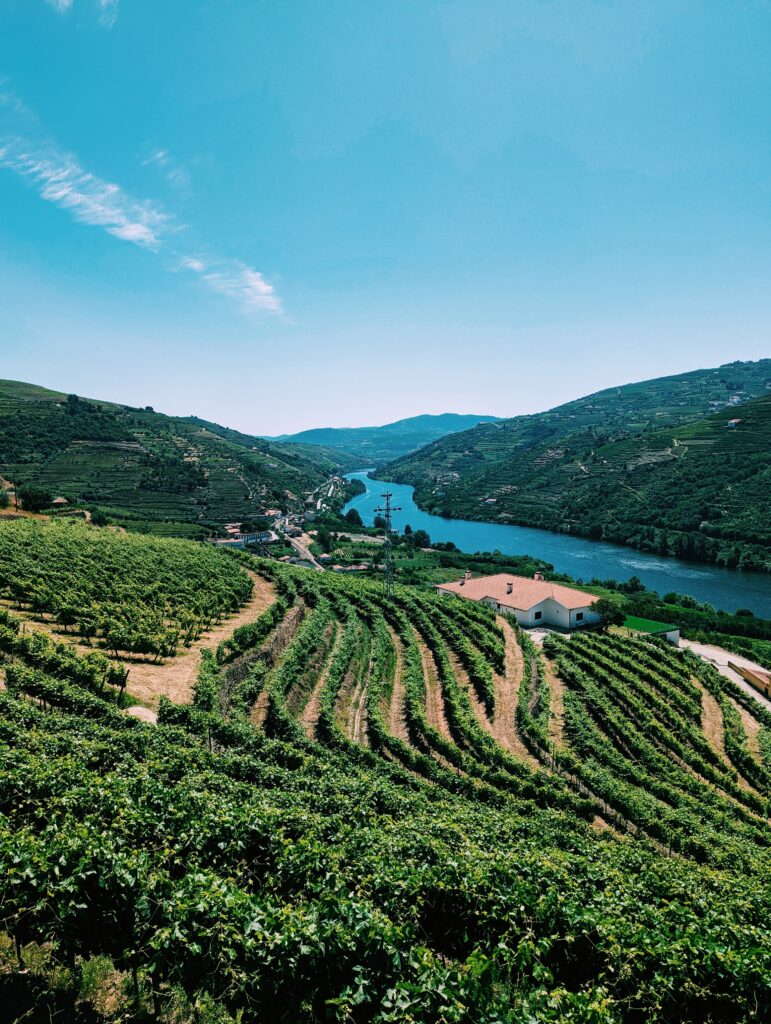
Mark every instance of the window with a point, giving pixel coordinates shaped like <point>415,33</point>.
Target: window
<point>579,616</point>
<point>537,615</point>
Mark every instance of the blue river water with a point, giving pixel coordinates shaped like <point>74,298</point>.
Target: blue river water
<point>582,558</point>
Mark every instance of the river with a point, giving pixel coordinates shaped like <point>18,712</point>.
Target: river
<point>580,557</point>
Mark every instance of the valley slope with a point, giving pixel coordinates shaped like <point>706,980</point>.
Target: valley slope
<point>375,445</point>
<point>645,465</point>
<point>141,465</point>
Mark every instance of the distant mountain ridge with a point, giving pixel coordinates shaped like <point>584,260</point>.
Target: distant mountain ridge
<point>391,440</point>
<point>654,465</point>
<point>138,464</point>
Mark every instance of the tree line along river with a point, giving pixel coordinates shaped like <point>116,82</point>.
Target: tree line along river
<point>582,558</point>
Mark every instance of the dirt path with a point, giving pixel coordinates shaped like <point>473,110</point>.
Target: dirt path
<point>712,721</point>
<point>143,714</point>
<point>397,724</point>
<point>713,728</point>
<point>356,721</point>
<point>260,709</point>
<point>556,703</point>
<point>507,696</point>
<point>174,678</point>
<point>359,727</point>
<point>434,703</point>
<point>310,714</point>
<point>752,729</point>
<point>464,682</point>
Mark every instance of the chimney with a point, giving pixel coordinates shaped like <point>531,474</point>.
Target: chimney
<point>509,586</point>
<point>466,576</point>
<point>538,576</point>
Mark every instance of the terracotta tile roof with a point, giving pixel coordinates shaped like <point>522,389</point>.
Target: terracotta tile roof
<point>524,592</point>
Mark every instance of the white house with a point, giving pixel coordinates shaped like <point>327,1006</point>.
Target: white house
<point>532,602</point>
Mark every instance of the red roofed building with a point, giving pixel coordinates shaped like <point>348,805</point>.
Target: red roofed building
<point>532,602</point>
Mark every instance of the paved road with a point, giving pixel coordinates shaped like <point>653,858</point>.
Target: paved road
<point>302,547</point>
<point>719,657</point>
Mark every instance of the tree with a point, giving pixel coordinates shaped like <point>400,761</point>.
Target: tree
<point>611,612</point>
<point>353,518</point>
<point>379,523</point>
<point>421,539</point>
<point>257,524</point>
<point>34,498</point>
<point>408,530</point>
<point>324,539</point>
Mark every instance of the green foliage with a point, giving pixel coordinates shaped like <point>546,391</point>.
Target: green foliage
<point>142,467</point>
<point>245,866</point>
<point>34,498</point>
<point>129,593</point>
<point>611,614</point>
<point>353,518</point>
<point>637,465</point>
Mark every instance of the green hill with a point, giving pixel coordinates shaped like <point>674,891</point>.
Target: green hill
<point>644,465</point>
<point>145,467</point>
<point>379,812</point>
<point>374,445</point>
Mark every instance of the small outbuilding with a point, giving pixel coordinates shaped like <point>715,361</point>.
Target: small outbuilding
<point>664,630</point>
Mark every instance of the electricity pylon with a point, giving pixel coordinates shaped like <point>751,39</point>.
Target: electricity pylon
<point>388,567</point>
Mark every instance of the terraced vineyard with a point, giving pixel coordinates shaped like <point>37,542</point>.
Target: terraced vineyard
<point>393,811</point>
<point>663,466</point>
<point>146,469</point>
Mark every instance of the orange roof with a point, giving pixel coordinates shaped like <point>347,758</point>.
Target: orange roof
<point>524,592</point>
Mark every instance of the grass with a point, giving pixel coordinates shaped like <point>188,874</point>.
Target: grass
<point>647,625</point>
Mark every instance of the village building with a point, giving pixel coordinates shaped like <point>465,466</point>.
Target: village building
<point>532,602</point>
<point>237,539</point>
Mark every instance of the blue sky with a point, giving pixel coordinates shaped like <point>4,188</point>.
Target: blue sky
<point>295,213</point>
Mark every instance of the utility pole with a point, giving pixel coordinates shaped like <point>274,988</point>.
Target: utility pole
<point>388,568</point>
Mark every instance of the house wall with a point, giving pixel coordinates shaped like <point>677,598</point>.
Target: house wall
<point>589,617</point>
<point>552,614</point>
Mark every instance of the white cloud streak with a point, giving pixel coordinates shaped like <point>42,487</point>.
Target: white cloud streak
<point>108,10</point>
<point>237,281</point>
<point>176,176</point>
<point>59,178</point>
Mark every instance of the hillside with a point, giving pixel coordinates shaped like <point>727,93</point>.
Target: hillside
<point>402,810</point>
<point>644,464</point>
<point>374,445</point>
<point>143,466</point>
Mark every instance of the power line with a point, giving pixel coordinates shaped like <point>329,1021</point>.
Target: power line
<point>388,568</point>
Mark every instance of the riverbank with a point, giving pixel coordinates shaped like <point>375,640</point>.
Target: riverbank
<point>580,557</point>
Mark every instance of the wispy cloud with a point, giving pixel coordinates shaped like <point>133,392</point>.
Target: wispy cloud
<point>175,174</point>
<point>60,178</point>
<point>109,12</point>
<point>237,281</point>
<point>108,9</point>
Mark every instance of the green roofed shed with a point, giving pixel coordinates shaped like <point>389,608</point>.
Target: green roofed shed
<point>652,627</point>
